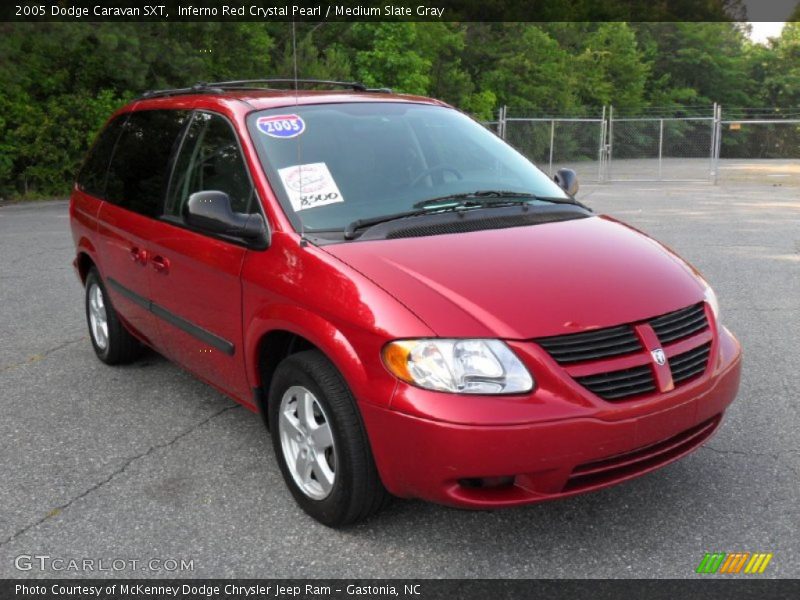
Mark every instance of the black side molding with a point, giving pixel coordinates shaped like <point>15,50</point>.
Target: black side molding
<point>192,329</point>
<point>130,295</point>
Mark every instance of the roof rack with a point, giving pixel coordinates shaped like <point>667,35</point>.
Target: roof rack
<point>197,88</point>
<point>246,83</point>
<point>218,87</point>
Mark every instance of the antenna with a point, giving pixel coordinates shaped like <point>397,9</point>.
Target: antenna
<point>303,240</point>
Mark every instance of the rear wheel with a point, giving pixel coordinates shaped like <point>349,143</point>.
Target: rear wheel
<point>112,343</point>
<point>319,440</point>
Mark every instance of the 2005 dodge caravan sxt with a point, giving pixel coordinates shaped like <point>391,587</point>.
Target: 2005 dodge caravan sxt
<point>414,308</point>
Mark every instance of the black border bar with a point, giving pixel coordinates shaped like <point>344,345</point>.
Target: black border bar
<point>732,588</point>
<point>398,10</point>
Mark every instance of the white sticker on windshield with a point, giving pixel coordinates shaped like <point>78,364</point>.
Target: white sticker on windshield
<point>309,186</point>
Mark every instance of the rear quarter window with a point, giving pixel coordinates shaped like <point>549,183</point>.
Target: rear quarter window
<point>139,170</point>
<point>92,176</point>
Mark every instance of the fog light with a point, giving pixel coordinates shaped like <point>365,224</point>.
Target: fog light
<point>487,482</point>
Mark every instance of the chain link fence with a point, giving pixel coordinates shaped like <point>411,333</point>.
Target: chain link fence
<point>556,142</point>
<point>756,144</point>
<point>651,148</point>
<point>699,144</point>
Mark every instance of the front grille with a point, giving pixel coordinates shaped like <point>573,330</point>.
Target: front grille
<point>689,364</point>
<point>680,324</point>
<point>602,343</point>
<point>620,384</point>
<point>618,341</point>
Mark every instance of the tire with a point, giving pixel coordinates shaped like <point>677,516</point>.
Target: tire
<point>354,492</point>
<point>113,344</point>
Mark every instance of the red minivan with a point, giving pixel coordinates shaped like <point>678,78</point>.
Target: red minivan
<point>414,308</point>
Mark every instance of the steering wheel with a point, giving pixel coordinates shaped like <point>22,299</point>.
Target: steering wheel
<point>436,169</point>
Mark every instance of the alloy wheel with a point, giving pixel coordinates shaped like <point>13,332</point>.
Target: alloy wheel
<point>307,442</point>
<point>98,318</point>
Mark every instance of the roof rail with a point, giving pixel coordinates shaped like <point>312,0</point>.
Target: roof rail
<point>247,83</point>
<point>197,88</point>
<point>218,87</point>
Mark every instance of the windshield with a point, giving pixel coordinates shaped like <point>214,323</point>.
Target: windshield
<point>332,164</point>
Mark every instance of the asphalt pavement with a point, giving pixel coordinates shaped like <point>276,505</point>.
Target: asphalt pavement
<point>145,462</point>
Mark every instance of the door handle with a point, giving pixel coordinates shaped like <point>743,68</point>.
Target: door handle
<point>160,264</point>
<point>139,256</point>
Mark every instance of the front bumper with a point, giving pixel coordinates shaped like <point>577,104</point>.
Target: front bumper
<point>461,464</point>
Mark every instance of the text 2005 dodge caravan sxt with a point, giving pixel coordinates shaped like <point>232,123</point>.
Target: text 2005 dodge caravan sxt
<point>415,308</point>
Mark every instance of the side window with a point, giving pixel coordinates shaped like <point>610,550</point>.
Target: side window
<point>210,159</point>
<point>137,178</point>
<point>92,176</point>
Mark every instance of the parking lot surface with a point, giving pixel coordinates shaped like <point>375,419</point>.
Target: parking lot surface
<point>144,461</point>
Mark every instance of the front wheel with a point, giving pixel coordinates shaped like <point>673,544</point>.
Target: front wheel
<point>320,442</point>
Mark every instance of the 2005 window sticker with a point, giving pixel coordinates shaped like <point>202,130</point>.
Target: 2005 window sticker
<point>310,186</point>
<point>281,126</point>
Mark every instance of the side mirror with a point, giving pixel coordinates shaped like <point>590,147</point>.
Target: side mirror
<point>211,211</point>
<point>567,180</point>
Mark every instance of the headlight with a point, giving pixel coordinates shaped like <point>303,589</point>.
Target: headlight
<point>711,298</point>
<point>458,366</point>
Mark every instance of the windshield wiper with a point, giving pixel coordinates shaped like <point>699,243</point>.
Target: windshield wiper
<point>350,230</point>
<point>426,207</point>
<point>479,196</point>
<point>491,198</point>
<point>455,202</point>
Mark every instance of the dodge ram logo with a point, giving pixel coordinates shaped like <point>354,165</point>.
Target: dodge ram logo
<point>659,356</point>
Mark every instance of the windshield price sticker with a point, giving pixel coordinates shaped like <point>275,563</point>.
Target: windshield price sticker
<point>310,186</point>
<point>281,126</point>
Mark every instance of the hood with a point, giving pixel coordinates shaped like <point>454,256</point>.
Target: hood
<point>527,282</point>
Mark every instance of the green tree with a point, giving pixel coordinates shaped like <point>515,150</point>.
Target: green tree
<point>313,63</point>
<point>530,70</point>
<point>387,55</point>
<point>695,63</point>
<point>61,81</point>
<point>609,68</point>
<point>780,68</point>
